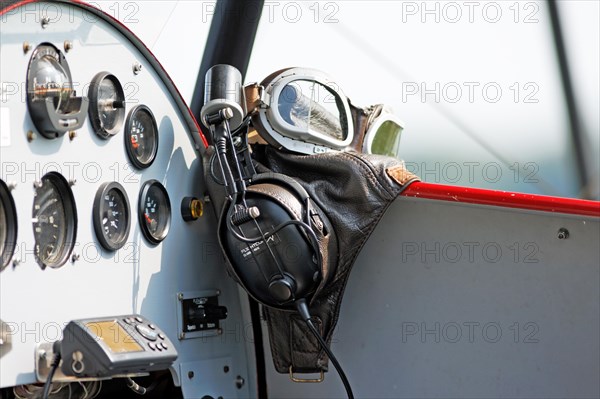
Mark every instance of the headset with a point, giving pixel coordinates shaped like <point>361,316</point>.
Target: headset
<point>287,250</point>
<point>279,244</point>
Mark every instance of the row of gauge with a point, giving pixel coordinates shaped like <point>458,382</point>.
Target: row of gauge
<point>54,218</point>
<point>55,109</point>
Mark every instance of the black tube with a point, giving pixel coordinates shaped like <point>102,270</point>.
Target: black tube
<point>230,40</point>
<point>571,103</point>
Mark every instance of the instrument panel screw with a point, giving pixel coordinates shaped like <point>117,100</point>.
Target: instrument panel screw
<point>563,233</point>
<point>16,262</point>
<point>180,296</point>
<point>137,68</point>
<point>218,292</point>
<point>190,374</point>
<point>68,45</point>
<point>72,135</point>
<point>181,336</point>
<point>37,184</point>
<point>72,182</point>
<point>239,382</point>
<point>45,22</point>
<point>12,185</point>
<point>219,331</point>
<point>31,136</point>
<point>75,258</point>
<point>26,47</point>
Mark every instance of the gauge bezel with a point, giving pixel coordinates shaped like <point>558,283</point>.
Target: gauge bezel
<point>141,211</point>
<point>94,114</point>
<point>66,195</point>
<point>45,117</point>
<point>10,211</point>
<point>128,125</point>
<point>97,217</point>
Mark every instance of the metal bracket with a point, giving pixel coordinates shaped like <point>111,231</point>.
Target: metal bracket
<point>43,361</point>
<point>307,380</point>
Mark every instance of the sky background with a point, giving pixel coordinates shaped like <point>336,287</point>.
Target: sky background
<point>477,83</point>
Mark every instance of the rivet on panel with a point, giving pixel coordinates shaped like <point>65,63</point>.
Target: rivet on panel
<point>137,68</point>
<point>31,136</point>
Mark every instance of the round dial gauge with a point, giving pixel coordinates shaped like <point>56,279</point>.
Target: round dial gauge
<point>8,226</point>
<point>51,100</point>
<point>154,211</point>
<point>111,216</point>
<point>54,218</point>
<point>107,105</point>
<point>141,136</point>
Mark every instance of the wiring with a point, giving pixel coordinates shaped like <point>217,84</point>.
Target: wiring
<point>305,314</point>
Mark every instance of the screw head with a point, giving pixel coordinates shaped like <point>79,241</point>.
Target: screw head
<point>68,45</point>
<point>181,335</point>
<point>75,258</point>
<point>31,136</point>
<point>563,233</point>
<point>190,374</point>
<point>239,382</point>
<point>26,47</point>
<point>72,182</point>
<point>72,135</point>
<point>45,22</point>
<point>137,68</point>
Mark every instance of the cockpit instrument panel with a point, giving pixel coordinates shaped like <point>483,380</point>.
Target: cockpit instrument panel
<point>96,145</point>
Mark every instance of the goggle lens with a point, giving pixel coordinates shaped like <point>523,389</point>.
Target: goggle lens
<point>386,140</point>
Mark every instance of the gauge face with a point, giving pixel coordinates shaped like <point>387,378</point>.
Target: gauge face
<point>50,94</point>
<point>8,226</point>
<point>111,216</point>
<point>141,136</point>
<point>107,105</point>
<point>54,218</point>
<point>154,211</point>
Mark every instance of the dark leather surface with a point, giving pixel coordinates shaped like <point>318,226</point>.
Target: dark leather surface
<point>354,190</point>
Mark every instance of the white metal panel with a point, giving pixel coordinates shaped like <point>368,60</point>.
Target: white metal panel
<point>139,278</point>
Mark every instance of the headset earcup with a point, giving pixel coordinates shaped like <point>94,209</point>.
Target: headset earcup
<point>259,267</point>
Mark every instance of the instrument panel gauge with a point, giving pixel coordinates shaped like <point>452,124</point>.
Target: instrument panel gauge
<point>154,211</point>
<point>141,136</point>
<point>54,219</point>
<point>107,105</point>
<point>8,226</point>
<point>53,106</point>
<point>111,216</point>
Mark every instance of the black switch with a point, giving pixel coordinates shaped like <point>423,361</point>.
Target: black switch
<point>207,313</point>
